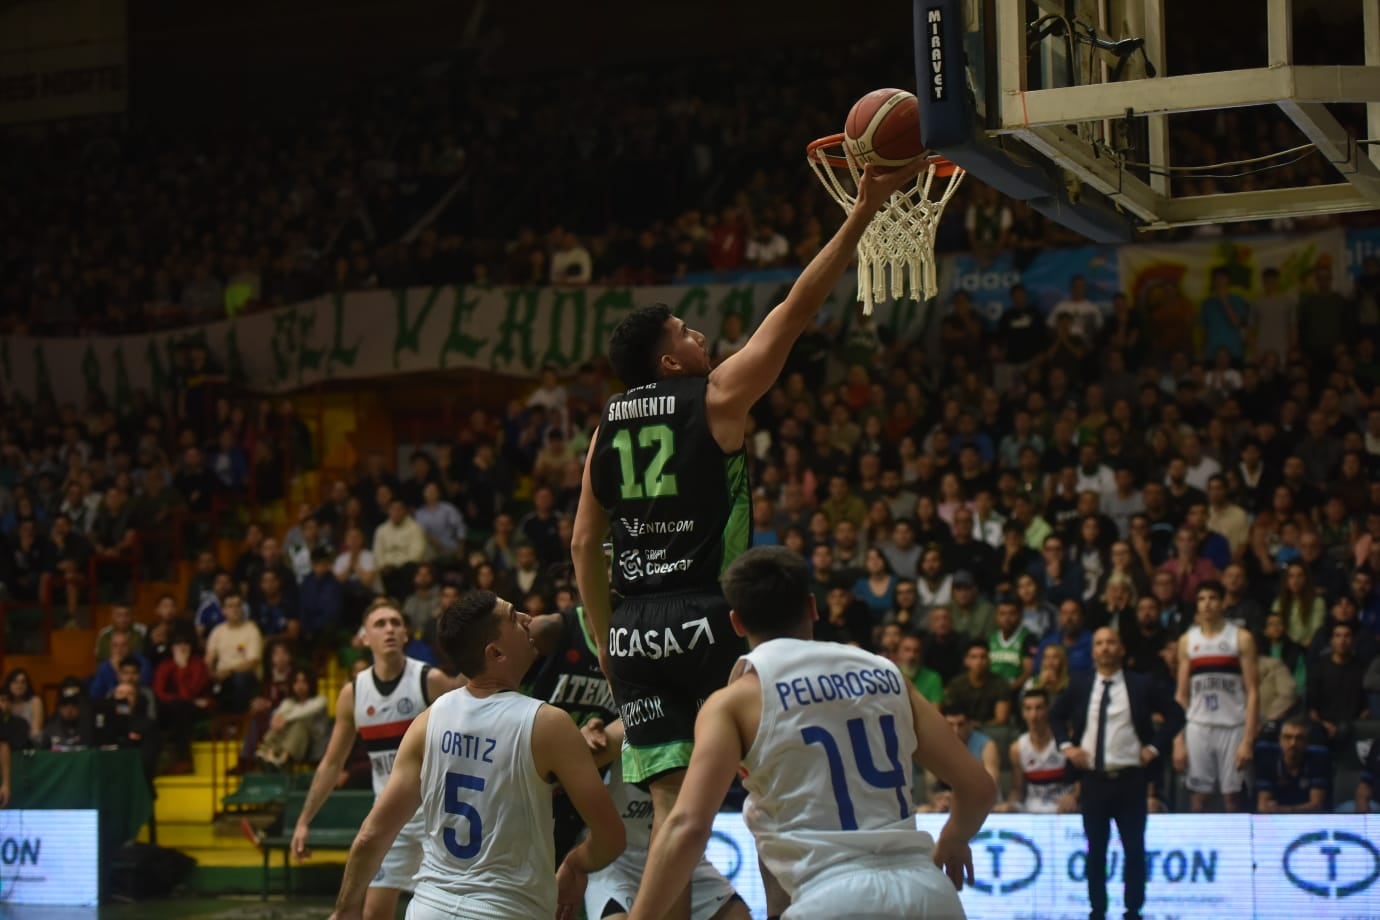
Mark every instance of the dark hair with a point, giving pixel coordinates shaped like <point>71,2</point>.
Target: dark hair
<point>635,345</point>
<point>1215,587</point>
<point>304,672</point>
<point>28,681</point>
<point>1035,693</point>
<point>1299,722</point>
<point>976,643</point>
<point>465,628</point>
<point>769,588</point>
<point>955,709</point>
<point>129,661</point>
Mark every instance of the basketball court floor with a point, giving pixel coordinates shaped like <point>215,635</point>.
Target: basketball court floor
<point>247,908</point>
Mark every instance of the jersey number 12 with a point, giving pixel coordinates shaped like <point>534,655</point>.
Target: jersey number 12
<point>895,778</point>
<point>654,482</point>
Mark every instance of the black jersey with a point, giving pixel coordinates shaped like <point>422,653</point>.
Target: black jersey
<point>679,507</point>
<point>570,679</point>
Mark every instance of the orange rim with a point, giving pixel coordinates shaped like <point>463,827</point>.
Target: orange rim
<point>819,150</point>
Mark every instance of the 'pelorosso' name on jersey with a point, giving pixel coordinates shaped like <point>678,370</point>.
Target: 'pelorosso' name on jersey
<point>622,410</point>
<point>850,685</point>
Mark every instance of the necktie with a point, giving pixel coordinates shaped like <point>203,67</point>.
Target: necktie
<point>1100,757</point>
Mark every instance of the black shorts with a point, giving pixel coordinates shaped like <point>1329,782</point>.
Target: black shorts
<point>668,653</point>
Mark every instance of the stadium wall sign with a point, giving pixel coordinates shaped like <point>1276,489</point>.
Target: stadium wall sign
<point>1198,867</point>
<point>379,333</point>
<point>48,858</point>
<point>62,59</point>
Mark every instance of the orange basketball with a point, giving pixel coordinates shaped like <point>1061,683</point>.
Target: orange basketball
<point>883,127</point>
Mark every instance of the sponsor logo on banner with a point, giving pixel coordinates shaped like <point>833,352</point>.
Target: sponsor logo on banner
<point>1332,863</point>
<point>934,24</point>
<point>48,858</point>
<point>1013,862</point>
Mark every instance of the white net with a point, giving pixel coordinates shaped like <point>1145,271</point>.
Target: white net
<point>896,253</point>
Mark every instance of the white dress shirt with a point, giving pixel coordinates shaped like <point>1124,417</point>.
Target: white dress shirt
<point>1123,745</point>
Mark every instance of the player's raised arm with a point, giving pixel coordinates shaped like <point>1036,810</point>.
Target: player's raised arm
<point>679,845</point>
<point>323,780</point>
<point>399,802</point>
<point>745,377</point>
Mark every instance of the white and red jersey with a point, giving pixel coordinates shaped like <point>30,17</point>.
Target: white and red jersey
<point>1048,776</point>
<point>1216,690</point>
<point>384,710</point>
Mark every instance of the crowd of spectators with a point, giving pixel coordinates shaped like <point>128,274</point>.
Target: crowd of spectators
<point>973,520</point>
<point>644,174</point>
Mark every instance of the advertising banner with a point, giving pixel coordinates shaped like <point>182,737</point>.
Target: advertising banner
<point>1198,867</point>
<point>49,858</point>
<point>1169,281</point>
<point>1046,278</point>
<point>511,331</point>
<point>62,59</point>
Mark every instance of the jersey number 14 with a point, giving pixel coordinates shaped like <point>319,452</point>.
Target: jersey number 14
<point>895,778</point>
<point>654,481</point>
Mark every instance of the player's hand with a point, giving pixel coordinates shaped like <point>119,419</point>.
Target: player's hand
<point>299,842</point>
<point>593,730</point>
<point>1147,754</point>
<point>1079,758</point>
<point>1068,803</point>
<point>1180,755</point>
<point>878,183</point>
<point>954,859</point>
<point>570,891</point>
<point>1245,753</point>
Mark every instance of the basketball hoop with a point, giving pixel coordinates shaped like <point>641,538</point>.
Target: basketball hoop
<point>899,242</point>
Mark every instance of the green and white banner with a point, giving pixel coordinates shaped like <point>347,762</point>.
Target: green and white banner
<point>512,331</point>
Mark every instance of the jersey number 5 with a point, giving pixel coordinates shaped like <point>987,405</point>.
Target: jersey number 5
<point>655,481</point>
<point>895,778</point>
<point>457,806</point>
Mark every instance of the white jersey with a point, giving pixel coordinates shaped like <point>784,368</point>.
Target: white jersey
<point>489,848</point>
<point>829,772</point>
<point>383,711</point>
<point>618,882</point>
<point>1047,775</point>
<point>1216,691</point>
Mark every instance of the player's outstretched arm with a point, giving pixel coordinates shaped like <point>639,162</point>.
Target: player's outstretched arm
<point>561,751</point>
<point>679,845</point>
<point>973,791</point>
<point>745,377</point>
<point>395,807</point>
<point>587,552</point>
<point>323,780</point>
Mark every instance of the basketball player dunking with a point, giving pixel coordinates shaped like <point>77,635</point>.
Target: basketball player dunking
<point>380,703</point>
<point>825,734</point>
<point>1218,689</point>
<point>480,763</point>
<point>666,478</point>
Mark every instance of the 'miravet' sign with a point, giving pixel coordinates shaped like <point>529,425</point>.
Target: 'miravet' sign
<point>934,21</point>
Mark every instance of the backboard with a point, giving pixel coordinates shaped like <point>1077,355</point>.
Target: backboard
<point>1072,107</point>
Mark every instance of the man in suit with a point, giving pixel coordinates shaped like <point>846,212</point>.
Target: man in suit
<point>1104,725</point>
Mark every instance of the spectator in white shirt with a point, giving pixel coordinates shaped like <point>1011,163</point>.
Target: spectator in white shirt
<point>571,263</point>
<point>1086,315</point>
<point>234,651</point>
<point>399,546</point>
<point>356,565</point>
<point>1200,466</point>
<point>767,248</point>
<point>1093,474</point>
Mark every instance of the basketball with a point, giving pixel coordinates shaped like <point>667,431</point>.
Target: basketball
<point>883,127</point>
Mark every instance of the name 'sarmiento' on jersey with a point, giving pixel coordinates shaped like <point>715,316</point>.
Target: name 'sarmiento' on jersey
<point>640,407</point>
